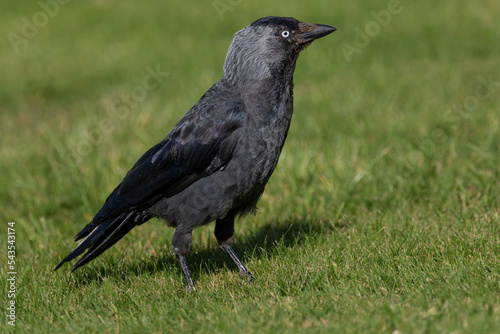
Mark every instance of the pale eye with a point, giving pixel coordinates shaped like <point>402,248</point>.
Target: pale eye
<point>285,33</point>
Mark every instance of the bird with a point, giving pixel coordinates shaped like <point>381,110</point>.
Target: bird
<point>215,162</point>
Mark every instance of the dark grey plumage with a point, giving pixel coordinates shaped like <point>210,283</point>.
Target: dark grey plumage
<point>216,161</point>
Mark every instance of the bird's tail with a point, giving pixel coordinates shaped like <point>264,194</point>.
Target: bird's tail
<point>99,238</point>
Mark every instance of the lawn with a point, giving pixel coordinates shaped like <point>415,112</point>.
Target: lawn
<point>383,213</point>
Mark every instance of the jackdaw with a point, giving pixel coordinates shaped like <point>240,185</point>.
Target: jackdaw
<point>216,161</point>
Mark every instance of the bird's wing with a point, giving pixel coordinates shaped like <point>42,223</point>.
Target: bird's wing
<point>200,144</point>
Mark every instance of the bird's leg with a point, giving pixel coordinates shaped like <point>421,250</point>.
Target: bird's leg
<point>181,242</point>
<point>224,230</point>
<point>243,270</point>
<point>189,280</point>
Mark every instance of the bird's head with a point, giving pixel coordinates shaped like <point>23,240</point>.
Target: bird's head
<point>270,45</point>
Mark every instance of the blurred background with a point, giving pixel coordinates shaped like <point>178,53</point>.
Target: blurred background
<point>396,113</point>
<point>410,79</point>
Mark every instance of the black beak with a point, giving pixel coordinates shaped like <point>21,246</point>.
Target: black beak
<point>319,31</point>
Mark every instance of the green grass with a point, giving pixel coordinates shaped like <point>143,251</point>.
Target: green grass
<point>382,215</point>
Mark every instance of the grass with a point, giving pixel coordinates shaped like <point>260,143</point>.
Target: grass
<point>382,215</point>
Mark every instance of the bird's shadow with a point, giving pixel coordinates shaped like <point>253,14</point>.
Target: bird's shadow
<point>207,260</point>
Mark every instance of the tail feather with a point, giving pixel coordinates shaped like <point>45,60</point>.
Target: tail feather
<point>100,239</point>
<point>105,241</point>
